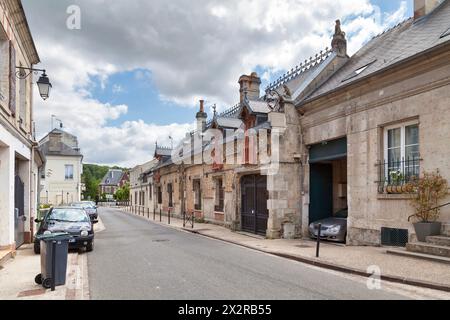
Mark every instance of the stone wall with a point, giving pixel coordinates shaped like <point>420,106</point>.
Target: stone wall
<point>419,92</point>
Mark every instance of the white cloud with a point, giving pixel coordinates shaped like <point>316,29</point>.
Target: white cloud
<point>187,49</point>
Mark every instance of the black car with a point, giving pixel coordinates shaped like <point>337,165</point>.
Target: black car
<point>72,220</point>
<point>89,207</point>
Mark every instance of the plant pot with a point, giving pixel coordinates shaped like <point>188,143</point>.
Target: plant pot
<point>425,229</point>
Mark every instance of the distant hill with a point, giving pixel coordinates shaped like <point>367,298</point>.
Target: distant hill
<point>92,176</point>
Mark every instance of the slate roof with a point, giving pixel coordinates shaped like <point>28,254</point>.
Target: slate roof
<point>63,150</point>
<point>395,45</point>
<point>112,177</point>
<point>228,122</point>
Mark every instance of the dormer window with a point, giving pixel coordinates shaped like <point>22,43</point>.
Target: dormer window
<point>358,71</point>
<point>446,33</point>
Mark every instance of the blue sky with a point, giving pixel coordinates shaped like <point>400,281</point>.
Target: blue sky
<point>142,97</point>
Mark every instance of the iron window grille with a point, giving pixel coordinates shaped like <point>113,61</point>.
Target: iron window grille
<point>397,176</point>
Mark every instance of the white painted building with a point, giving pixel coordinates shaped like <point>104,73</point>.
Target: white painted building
<point>19,157</point>
<point>61,173</point>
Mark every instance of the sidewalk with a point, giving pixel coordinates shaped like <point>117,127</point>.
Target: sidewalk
<point>348,259</point>
<point>17,276</point>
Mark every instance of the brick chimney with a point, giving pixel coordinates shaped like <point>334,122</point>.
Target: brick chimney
<point>424,7</point>
<point>249,85</point>
<point>201,117</point>
<point>54,142</point>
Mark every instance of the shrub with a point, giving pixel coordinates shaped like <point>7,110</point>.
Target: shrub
<point>429,189</point>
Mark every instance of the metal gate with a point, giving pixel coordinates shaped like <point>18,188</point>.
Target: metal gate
<point>19,211</point>
<point>254,213</point>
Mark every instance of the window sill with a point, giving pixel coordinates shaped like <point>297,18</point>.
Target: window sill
<point>219,212</point>
<point>393,196</point>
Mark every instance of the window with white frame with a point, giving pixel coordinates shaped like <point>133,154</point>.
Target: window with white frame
<point>68,172</point>
<point>401,152</point>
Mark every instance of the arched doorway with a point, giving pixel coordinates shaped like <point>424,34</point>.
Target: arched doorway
<point>254,213</point>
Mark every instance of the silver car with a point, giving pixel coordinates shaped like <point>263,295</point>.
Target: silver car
<point>333,228</point>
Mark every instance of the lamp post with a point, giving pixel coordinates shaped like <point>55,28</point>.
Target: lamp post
<point>44,84</point>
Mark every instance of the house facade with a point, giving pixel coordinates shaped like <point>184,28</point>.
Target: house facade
<point>19,157</point>
<point>334,128</point>
<point>141,193</point>
<point>384,111</point>
<point>112,181</point>
<point>61,173</point>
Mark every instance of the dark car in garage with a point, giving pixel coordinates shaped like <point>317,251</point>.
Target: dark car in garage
<point>72,220</point>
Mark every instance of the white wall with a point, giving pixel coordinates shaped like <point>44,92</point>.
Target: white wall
<point>10,148</point>
<point>55,182</point>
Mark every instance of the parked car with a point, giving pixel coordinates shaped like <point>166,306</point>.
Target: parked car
<point>72,220</point>
<point>333,228</point>
<point>90,208</point>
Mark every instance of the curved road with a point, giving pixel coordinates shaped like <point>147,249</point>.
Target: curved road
<point>137,259</point>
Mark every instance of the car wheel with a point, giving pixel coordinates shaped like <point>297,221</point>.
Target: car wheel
<point>37,248</point>
<point>90,246</point>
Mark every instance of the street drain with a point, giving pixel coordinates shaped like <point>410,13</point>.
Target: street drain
<point>303,246</point>
<point>160,240</point>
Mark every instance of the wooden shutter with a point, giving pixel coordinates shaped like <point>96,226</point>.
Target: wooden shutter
<point>12,79</point>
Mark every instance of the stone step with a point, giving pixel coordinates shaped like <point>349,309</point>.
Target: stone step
<point>446,229</point>
<point>439,240</point>
<point>409,254</point>
<point>428,248</point>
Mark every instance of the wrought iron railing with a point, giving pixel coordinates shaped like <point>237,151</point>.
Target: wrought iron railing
<point>397,176</point>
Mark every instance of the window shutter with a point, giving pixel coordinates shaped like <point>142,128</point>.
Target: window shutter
<point>12,79</point>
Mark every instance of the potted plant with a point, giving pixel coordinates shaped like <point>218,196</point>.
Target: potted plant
<point>430,188</point>
<point>396,179</point>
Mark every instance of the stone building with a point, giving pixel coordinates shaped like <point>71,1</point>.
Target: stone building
<point>61,174</point>
<point>112,181</point>
<point>141,193</point>
<point>19,155</point>
<point>336,126</point>
<point>385,110</point>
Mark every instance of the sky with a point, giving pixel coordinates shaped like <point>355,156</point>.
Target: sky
<point>126,74</point>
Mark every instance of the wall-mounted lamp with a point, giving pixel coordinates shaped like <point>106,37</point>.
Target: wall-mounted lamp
<point>44,84</point>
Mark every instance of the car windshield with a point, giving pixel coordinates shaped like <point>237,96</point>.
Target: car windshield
<point>68,215</point>
<point>81,205</point>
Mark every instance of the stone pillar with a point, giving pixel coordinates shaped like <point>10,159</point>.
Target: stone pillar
<point>283,174</point>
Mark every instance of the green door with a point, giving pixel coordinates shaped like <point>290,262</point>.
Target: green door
<point>321,191</point>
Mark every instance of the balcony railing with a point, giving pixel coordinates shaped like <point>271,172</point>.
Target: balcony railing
<point>397,176</point>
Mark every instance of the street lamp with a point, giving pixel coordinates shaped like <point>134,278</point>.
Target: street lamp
<point>44,84</point>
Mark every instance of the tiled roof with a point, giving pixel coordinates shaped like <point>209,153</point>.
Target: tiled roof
<point>399,43</point>
<point>112,177</point>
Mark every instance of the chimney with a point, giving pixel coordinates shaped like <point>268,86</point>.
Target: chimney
<point>424,7</point>
<point>201,117</point>
<point>54,142</point>
<point>249,85</point>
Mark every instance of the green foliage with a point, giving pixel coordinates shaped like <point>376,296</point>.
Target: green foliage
<point>123,193</point>
<point>91,177</point>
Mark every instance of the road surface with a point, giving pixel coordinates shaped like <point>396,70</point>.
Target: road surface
<point>137,259</point>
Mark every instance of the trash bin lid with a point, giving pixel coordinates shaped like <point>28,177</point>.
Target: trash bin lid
<point>54,236</point>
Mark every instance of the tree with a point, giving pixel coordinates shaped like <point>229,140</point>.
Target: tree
<point>123,193</point>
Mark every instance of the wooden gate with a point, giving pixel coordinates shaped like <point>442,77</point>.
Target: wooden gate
<point>254,213</point>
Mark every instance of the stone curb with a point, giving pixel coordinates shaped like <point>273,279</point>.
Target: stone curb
<point>335,267</point>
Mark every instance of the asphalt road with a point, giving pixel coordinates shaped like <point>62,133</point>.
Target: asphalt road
<point>137,259</point>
